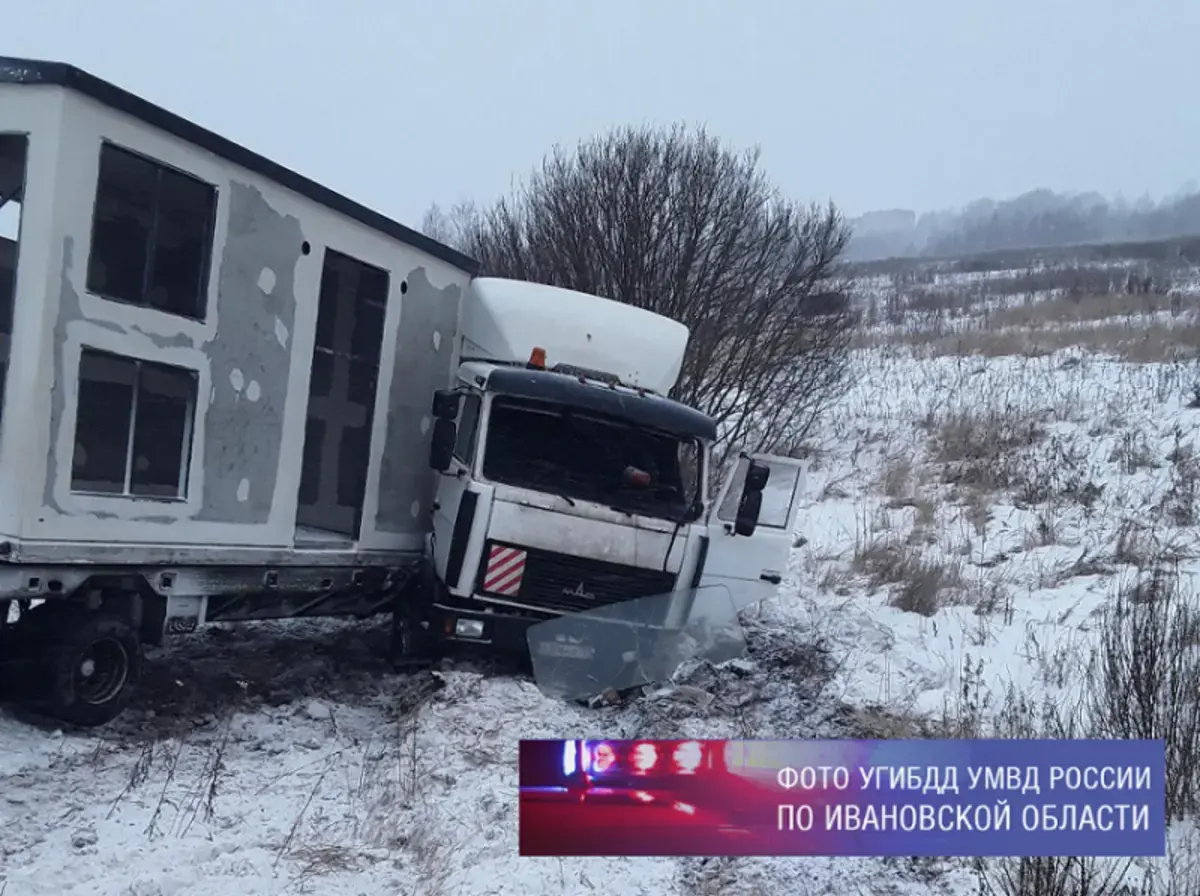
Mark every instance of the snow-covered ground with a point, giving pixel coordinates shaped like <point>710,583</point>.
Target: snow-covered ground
<point>966,523</point>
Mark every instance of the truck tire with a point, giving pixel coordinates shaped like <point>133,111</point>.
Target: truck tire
<point>94,662</point>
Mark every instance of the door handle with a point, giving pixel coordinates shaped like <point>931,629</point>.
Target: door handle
<point>773,577</point>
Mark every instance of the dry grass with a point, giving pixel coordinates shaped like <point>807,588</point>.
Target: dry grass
<point>1141,344</point>
<point>1140,682</point>
<point>1141,678</point>
<point>1133,452</point>
<point>981,449</point>
<point>918,582</point>
<point>896,480</point>
<point>1146,675</point>
<point>1079,309</point>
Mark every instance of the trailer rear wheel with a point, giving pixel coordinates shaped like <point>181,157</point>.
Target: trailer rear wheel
<point>95,662</point>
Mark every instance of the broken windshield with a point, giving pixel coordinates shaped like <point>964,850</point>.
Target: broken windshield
<point>581,456</point>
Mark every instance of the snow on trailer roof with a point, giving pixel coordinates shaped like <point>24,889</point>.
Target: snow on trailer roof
<point>36,72</point>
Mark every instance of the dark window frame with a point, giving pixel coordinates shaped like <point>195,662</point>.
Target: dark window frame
<point>200,305</point>
<point>138,369</point>
<point>9,273</point>
<point>691,481</point>
<point>330,398</point>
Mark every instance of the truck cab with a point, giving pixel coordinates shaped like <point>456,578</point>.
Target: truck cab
<point>567,480</point>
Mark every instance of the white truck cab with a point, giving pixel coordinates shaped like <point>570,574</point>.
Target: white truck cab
<point>567,480</point>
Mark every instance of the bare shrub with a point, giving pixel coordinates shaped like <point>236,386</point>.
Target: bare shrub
<point>896,479</point>
<point>673,221</point>
<point>1054,876</point>
<point>919,583</point>
<point>1181,502</point>
<point>1022,717</point>
<point>1058,471</point>
<point>983,448</point>
<point>1193,401</point>
<point>1045,530</point>
<point>1178,874</point>
<point>1133,452</point>
<point>1145,678</point>
<point>1135,545</point>
<point>1142,683</point>
<point>923,586</point>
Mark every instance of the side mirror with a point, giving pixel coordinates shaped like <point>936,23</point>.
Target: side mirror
<point>750,504</point>
<point>756,477</point>
<point>445,404</point>
<point>747,513</point>
<point>441,446</point>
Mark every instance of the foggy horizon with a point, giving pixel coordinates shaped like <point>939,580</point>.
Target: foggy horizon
<point>928,107</point>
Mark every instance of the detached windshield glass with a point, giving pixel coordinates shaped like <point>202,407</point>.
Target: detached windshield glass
<point>562,451</point>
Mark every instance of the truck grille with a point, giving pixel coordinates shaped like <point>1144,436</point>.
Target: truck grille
<point>569,584</point>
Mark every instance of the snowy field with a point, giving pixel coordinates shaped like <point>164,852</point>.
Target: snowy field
<point>971,524</point>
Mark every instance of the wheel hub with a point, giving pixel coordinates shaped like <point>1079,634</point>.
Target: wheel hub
<point>101,672</point>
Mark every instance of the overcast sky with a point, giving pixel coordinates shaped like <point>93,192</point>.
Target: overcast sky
<point>874,104</point>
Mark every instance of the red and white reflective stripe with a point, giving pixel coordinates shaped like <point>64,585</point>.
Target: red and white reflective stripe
<point>505,567</point>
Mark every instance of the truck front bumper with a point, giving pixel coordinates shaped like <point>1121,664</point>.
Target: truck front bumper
<point>473,622</point>
<point>468,621</point>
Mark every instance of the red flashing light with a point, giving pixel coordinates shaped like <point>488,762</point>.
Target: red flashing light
<point>603,758</point>
<point>688,757</point>
<point>537,359</point>
<point>649,758</point>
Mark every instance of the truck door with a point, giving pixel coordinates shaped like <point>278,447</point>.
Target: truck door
<point>449,532</point>
<point>752,567</point>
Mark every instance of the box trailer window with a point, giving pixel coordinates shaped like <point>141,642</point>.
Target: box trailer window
<point>558,450</point>
<point>133,427</point>
<point>14,150</point>
<point>152,234</point>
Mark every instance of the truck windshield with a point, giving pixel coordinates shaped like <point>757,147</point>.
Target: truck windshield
<point>580,456</point>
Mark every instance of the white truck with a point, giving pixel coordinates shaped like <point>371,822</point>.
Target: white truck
<point>231,394</point>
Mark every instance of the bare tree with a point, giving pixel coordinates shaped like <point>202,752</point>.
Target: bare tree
<point>673,221</point>
<point>451,227</point>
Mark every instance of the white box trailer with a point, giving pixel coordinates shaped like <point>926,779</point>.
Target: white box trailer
<point>228,393</point>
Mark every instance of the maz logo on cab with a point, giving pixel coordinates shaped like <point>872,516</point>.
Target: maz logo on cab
<point>578,591</point>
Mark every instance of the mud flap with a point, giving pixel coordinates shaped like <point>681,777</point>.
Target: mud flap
<point>413,644</point>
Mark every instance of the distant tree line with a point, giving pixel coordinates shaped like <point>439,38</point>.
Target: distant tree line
<point>1038,219</point>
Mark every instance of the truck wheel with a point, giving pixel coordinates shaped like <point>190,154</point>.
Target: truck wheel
<point>95,662</point>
